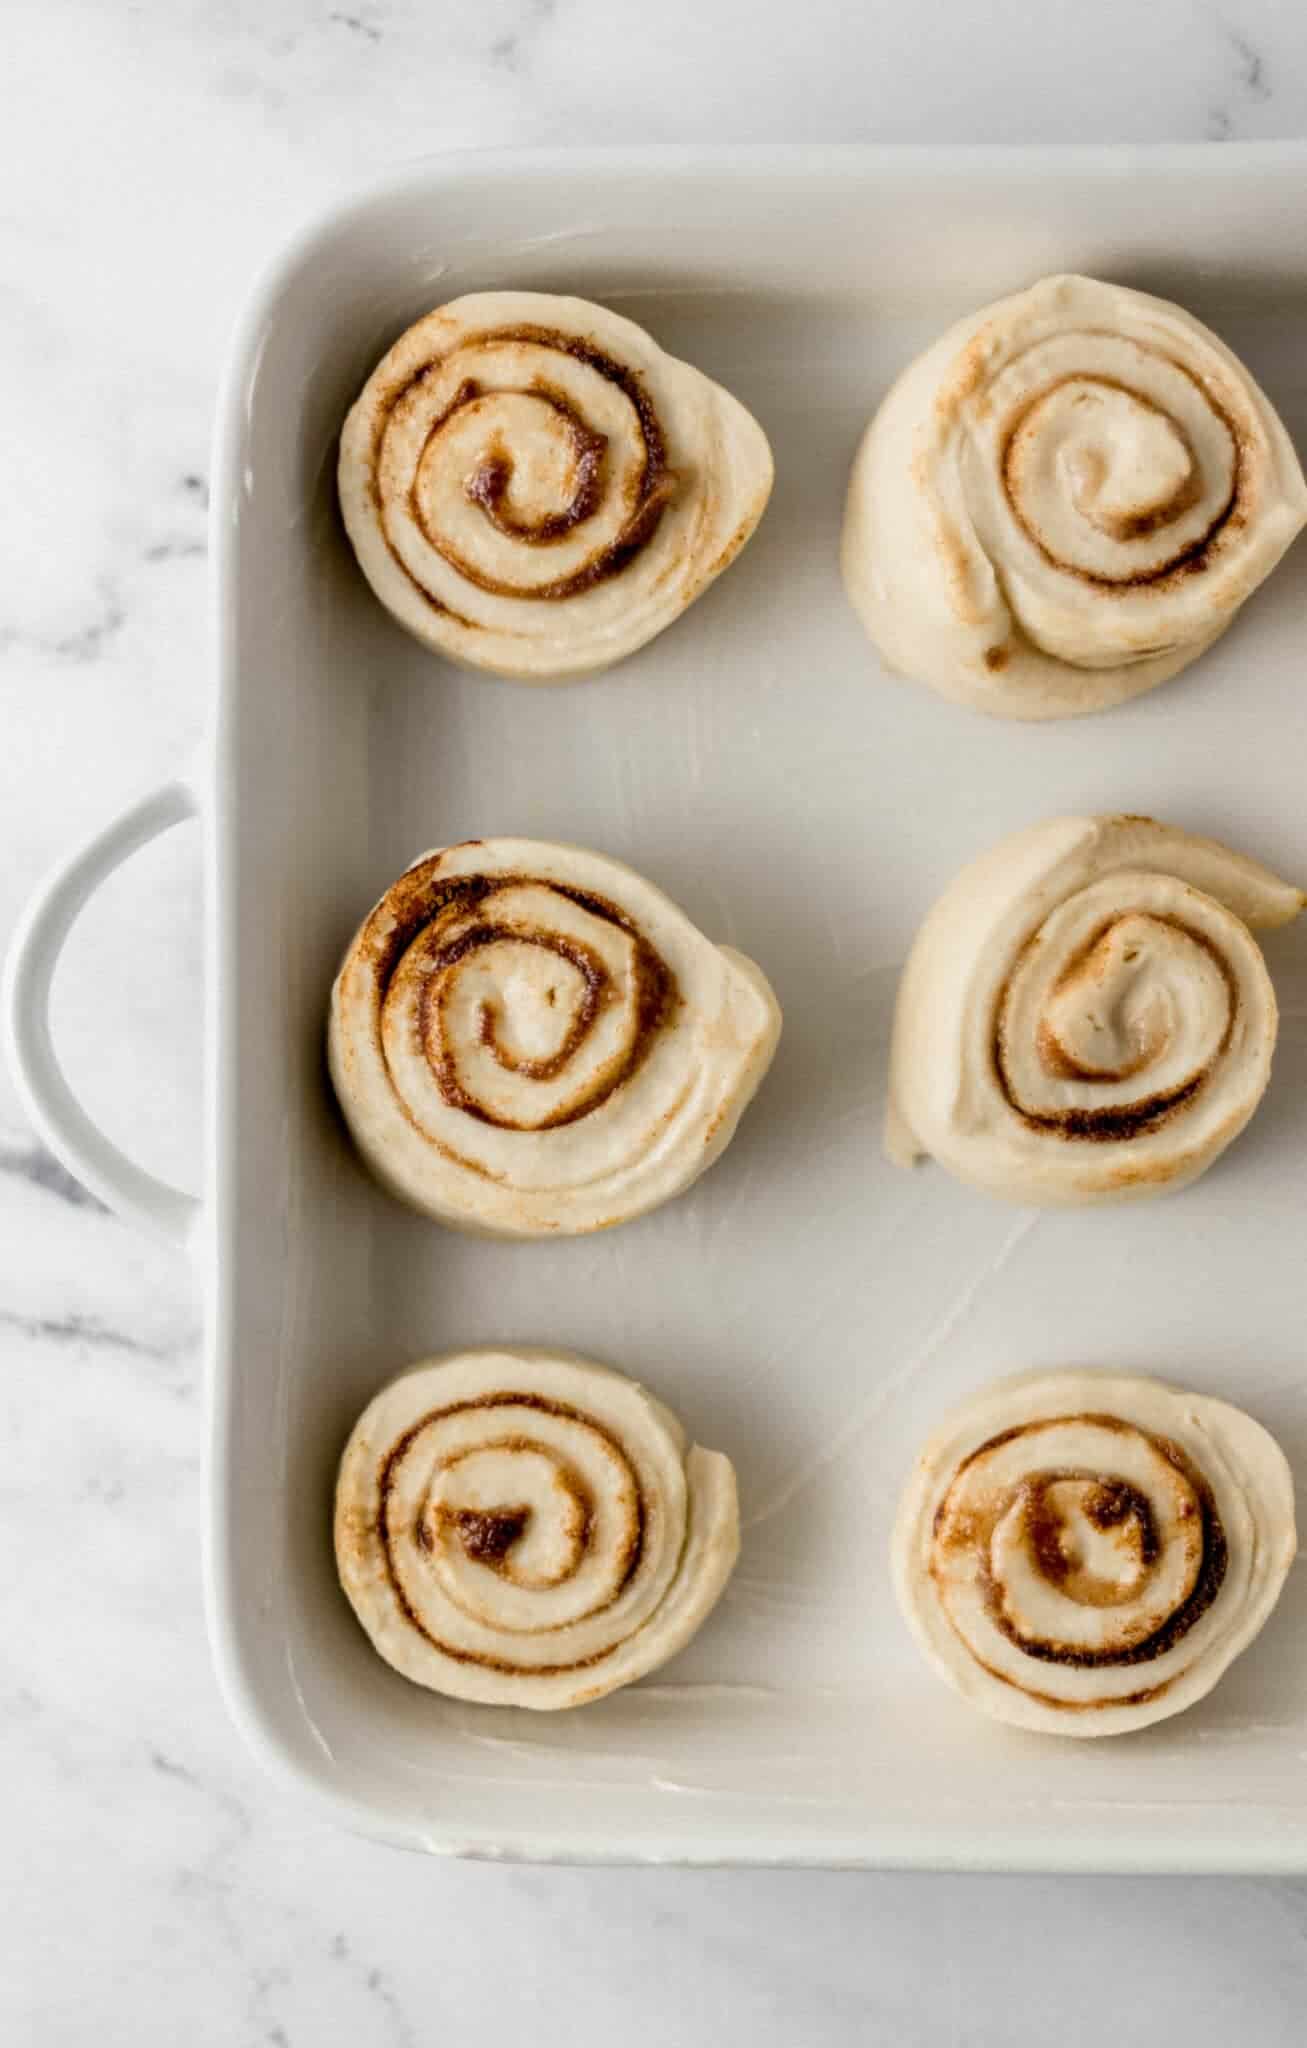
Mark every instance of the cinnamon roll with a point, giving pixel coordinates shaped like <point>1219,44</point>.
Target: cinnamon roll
<point>533,487</point>
<point>1085,1014</point>
<point>529,1529</point>
<point>1065,501</point>
<point>1086,1552</point>
<point>528,1039</point>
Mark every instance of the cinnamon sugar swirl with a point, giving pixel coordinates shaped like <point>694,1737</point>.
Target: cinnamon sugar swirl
<point>527,1528</point>
<point>534,487</point>
<point>527,1039</point>
<point>1065,501</point>
<point>1085,1014</point>
<point>1083,1553</point>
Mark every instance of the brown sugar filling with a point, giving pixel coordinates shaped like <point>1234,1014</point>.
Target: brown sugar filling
<point>499,1530</point>
<point>1121,1120</point>
<point>489,484</point>
<point>1114,1501</point>
<point>414,911</point>
<point>1191,560</point>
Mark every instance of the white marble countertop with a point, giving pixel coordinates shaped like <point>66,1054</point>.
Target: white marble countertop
<point>155,1888</point>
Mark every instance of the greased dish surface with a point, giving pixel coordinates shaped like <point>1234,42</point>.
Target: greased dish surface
<point>807,1307</point>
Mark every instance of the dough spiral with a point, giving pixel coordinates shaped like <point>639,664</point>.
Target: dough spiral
<point>529,1529</point>
<point>1084,1552</point>
<point>529,1039</point>
<point>1085,1014</point>
<point>1065,501</point>
<point>533,487</point>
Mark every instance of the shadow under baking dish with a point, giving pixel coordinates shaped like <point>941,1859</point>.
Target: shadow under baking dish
<point>807,1308</point>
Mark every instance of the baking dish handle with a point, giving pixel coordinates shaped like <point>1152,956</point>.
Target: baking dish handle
<point>34,952</point>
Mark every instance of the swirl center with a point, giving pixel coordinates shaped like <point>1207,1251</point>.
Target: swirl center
<point>527,459</point>
<point>526,464</point>
<point>1118,466</point>
<point>1107,1559</point>
<point>1124,464</point>
<point>1112,1018</point>
<point>488,1534</point>
<point>1112,1013</point>
<point>513,1507</point>
<point>1093,1538</point>
<point>527,998</point>
<point>518,1002</point>
<point>506,1518</point>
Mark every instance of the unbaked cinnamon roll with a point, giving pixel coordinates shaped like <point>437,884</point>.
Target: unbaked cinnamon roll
<point>1085,1014</point>
<point>529,1529</point>
<point>532,486</point>
<point>1085,1552</point>
<point>1065,501</point>
<point>527,1039</point>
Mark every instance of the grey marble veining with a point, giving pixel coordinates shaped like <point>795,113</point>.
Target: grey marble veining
<point>155,1888</point>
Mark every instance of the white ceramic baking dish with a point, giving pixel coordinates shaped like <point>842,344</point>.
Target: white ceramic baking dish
<point>807,1307</point>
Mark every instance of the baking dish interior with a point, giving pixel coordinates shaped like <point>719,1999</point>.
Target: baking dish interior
<point>807,1308</point>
